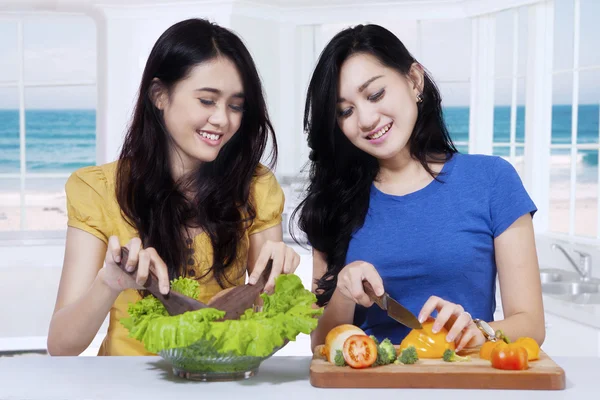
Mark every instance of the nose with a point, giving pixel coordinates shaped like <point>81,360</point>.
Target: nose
<point>219,117</point>
<point>367,120</point>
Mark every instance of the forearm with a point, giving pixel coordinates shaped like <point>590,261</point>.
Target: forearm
<point>522,324</point>
<point>73,327</point>
<point>339,310</point>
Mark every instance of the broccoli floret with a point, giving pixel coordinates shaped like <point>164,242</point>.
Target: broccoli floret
<point>451,356</point>
<point>339,359</point>
<point>408,356</point>
<point>374,339</point>
<point>386,352</point>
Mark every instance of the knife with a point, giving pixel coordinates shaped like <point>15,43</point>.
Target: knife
<point>394,309</point>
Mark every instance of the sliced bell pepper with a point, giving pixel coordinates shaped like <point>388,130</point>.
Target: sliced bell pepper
<point>427,343</point>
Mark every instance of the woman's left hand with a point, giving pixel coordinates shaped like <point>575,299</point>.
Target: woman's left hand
<point>285,261</point>
<point>461,328</point>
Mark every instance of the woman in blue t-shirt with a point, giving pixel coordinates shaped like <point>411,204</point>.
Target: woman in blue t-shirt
<point>392,202</point>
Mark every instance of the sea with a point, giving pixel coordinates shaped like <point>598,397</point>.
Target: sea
<point>61,141</point>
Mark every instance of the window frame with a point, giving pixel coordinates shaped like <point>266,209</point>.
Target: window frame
<point>21,85</point>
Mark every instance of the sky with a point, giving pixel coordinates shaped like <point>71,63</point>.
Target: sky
<point>64,48</point>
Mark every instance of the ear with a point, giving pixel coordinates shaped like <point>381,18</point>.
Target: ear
<point>416,75</point>
<point>158,94</point>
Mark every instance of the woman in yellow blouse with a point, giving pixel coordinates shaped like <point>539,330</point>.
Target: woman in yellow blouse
<point>188,195</point>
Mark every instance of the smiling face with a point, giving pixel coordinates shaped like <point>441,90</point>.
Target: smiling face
<point>202,112</point>
<point>377,105</point>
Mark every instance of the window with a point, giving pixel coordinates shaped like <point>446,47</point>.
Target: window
<point>47,116</point>
<point>509,86</point>
<point>453,79</point>
<point>574,180</point>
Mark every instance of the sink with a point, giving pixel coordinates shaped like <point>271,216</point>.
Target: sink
<point>568,286</point>
<point>571,288</point>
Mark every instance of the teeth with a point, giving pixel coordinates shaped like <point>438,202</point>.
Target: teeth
<point>380,133</point>
<point>209,135</point>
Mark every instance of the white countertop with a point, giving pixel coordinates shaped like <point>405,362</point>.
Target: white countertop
<point>91,378</point>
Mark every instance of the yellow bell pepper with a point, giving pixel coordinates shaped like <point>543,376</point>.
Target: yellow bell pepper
<point>532,347</point>
<point>427,343</point>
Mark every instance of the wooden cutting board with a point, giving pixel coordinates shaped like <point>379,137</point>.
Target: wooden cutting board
<point>543,374</point>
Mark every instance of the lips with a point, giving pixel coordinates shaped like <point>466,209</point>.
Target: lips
<point>379,132</point>
<point>210,138</point>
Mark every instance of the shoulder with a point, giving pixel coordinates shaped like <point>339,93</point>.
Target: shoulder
<point>97,180</point>
<point>483,166</point>
<point>268,199</point>
<point>264,181</point>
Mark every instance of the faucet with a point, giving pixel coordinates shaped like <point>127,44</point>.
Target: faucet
<point>585,266</point>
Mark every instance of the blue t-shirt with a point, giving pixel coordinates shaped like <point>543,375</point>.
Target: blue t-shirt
<point>439,240</point>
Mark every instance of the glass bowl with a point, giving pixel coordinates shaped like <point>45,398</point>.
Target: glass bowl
<point>200,362</point>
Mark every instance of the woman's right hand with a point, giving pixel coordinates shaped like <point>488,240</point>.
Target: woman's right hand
<point>350,282</point>
<point>144,259</point>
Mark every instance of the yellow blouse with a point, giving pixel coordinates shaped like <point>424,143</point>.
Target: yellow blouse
<point>92,206</point>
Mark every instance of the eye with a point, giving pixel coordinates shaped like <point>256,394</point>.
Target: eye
<point>345,113</point>
<point>236,107</point>
<point>377,96</point>
<point>207,102</point>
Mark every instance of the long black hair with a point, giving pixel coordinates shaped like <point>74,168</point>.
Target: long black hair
<point>149,197</point>
<point>341,175</point>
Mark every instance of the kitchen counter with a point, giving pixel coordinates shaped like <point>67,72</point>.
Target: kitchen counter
<point>51,378</point>
<point>586,314</point>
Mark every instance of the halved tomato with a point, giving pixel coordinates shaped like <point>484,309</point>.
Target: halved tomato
<point>360,351</point>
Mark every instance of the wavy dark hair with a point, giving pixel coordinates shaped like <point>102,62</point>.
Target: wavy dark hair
<point>340,174</point>
<point>149,197</point>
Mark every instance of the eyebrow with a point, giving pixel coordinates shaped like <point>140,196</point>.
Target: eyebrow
<point>238,95</point>
<point>362,87</point>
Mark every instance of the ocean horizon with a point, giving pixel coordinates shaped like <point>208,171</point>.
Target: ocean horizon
<point>61,141</point>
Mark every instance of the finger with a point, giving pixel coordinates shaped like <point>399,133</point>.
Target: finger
<point>290,259</point>
<point>143,267</point>
<point>160,269</point>
<point>466,337</point>
<point>261,263</point>
<point>433,303</point>
<point>113,254</point>
<point>447,311</point>
<point>296,263</point>
<point>463,321</point>
<point>370,275</point>
<point>278,257</point>
<point>357,290</point>
<point>134,247</point>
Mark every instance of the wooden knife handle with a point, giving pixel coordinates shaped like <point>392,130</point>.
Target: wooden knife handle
<point>371,293</point>
<point>151,283</point>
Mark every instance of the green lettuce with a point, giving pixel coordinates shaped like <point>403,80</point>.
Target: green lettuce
<point>286,313</point>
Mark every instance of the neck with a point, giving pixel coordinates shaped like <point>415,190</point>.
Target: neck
<point>181,165</point>
<point>400,167</point>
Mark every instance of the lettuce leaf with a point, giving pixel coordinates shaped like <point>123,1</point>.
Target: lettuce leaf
<point>286,313</point>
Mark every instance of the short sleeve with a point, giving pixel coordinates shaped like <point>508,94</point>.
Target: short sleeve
<point>87,200</point>
<point>509,199</point>
<point>268,200</point>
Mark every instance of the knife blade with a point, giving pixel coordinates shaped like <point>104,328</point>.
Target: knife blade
<point>394,309</point>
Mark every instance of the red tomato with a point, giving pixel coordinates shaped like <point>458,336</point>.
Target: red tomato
<point>512,356</point>
<point>360,351</point>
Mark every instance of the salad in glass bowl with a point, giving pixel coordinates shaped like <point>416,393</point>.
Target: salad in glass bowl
<point>201,346</point>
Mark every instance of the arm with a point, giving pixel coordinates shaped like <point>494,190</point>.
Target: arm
<point>520,286</point>
<point>83,300</point>
<point>339,310</point>
<point>87,290</point>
